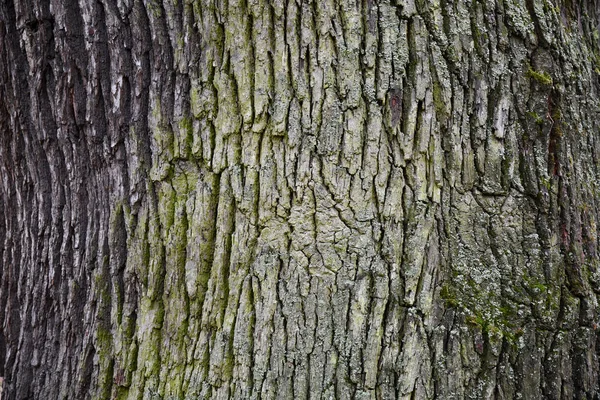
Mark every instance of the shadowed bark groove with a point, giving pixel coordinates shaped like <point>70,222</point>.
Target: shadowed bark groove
<point>299,199</point>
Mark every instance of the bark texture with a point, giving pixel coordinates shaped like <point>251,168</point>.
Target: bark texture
<point>282,199</point>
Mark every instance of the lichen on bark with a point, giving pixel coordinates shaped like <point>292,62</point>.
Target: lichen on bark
<point>299,199</point>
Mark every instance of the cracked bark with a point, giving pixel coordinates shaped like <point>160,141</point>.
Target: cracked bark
<point>299,199</point>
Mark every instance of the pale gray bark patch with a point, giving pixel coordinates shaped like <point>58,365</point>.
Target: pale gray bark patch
<point>299,199</point>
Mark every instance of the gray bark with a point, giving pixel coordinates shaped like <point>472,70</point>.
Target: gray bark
<point>299,199</point>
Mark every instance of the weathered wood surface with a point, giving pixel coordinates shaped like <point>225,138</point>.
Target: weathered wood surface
<point>299,199</point>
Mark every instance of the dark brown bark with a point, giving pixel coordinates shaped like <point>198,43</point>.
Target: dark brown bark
<point>299,199</point>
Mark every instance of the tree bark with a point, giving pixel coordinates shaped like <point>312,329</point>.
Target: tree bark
<point>299,199</point>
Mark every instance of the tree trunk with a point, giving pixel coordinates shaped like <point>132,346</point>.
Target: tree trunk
<point>299,199</point>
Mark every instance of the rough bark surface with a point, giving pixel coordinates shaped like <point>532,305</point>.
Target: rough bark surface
<point>299,199</point>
